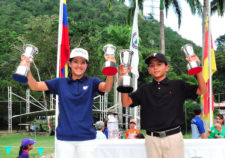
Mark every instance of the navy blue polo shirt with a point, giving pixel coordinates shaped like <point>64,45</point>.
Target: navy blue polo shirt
<point>162,103</point>
<point>75,107</point>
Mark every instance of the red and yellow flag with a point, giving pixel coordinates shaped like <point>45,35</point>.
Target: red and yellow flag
<point>205,72</point>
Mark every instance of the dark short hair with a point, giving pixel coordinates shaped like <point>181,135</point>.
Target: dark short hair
<point>220,116</point>
<point>197,111</point>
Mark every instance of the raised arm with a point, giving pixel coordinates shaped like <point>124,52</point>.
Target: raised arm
<point>36,86</point>
<point>126,100</point>
<point>107,85</point>
<point>202,88</point>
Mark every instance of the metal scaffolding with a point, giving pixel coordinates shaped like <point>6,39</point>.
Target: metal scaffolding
<point>101,107</point>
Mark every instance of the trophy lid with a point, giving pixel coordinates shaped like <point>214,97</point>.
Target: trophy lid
<point>188,50</point>
<point>30,51</point>
<point>109,49</point>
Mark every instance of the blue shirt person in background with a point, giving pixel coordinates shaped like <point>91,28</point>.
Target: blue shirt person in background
<point>197,125</point>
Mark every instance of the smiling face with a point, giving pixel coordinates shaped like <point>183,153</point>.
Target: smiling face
<point>219,120</point>
<point>78,66</point>
<point>158,69</point>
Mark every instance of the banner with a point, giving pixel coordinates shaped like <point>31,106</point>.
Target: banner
<point>134,43</point>
<point>64,48</point>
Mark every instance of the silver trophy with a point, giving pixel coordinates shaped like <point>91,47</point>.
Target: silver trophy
<point>193,67</point>
<point>22,70</point>
<point>109,68</point>
<point>125,85</point>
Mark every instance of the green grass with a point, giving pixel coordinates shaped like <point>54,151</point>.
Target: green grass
<point>47,142</point>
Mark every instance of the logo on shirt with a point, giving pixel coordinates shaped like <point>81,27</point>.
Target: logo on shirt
<point>85,87</point>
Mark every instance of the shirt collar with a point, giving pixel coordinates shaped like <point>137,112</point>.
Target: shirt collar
<point>165,81</point>
<point>26,152</point>
<point>82,79</point>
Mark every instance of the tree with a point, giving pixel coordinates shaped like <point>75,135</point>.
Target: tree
<point>216,6</point>
<point>220,42</point>
<point>195,6</point>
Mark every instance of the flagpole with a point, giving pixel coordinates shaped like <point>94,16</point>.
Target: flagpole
<point>135,76</point>
<point>210,67</point>
<point>135,58</point>
<point>58,61</point>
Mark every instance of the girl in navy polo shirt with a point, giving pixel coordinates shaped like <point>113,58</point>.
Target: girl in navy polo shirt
<point>76,95</point>
<point>26,146</point>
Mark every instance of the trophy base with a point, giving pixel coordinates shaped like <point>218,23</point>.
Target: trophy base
<point>20,78</point>
<point>194,71</point>
<point>125,89</point>
<point>109,68</point>
<point>109,71</point>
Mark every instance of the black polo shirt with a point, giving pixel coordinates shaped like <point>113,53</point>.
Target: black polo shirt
<point>162,103</point>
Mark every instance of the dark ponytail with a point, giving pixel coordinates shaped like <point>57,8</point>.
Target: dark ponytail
<point>21,150</point>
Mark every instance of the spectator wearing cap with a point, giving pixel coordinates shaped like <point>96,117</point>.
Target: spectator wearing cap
<point>161,104</point>
<point>76,95</point>
<point>197,125</point>
<point>99,125</point>
<point>132,132</point>
<point>26,146</point>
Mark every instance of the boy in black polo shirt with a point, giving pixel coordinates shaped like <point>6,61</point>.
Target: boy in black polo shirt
<point>162,107</point>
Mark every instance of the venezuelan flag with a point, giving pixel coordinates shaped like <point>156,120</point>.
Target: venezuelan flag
<point>65,46</point>
<point>205,72</point>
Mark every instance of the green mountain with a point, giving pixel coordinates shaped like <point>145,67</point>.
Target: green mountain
<point>91,26</point>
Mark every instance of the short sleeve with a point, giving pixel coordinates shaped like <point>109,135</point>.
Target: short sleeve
<point>96,82</point>
<point>53,85</point>
<point>136,97</point>
<point>201,127</point>
<point>190,91</point>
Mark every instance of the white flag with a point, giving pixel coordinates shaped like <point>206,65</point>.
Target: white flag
<point>134,43</point>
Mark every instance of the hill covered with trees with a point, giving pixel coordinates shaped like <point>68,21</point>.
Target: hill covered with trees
<point>91,26</point>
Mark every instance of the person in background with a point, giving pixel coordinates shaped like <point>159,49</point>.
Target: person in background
<point>213,132</point>
<point>106,128</point>
<point>218,128</point>
<point>76,94</point>
<point>132,132</point>
<point>99,126</point>
<point>197,125</point>
<point>26,146</point>
<point>161,104</point>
